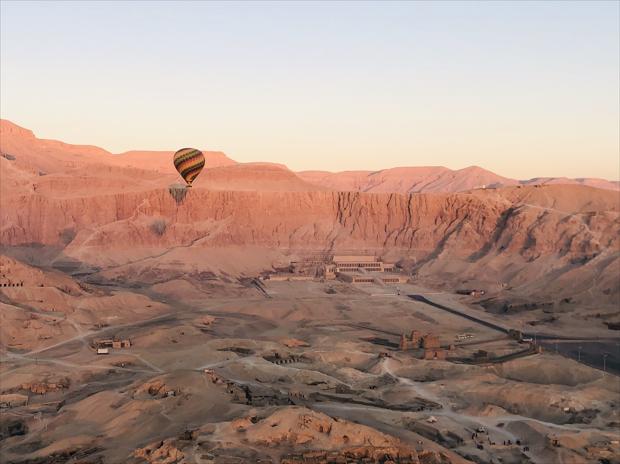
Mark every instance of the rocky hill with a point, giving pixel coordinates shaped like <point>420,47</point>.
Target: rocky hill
<point>241,218</point>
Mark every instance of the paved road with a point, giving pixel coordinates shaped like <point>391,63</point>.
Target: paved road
<point>587,350</point>
<point>505,329</point>
<point>83,335</point>
<point>488,324</point>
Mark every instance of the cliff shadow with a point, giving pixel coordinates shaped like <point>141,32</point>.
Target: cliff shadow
<point>500,227</point>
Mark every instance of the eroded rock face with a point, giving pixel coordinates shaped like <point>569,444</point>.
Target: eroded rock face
<point>318,427</point>
<point>163,452</point>
<point>155,389</point>
<point>297,435</point>
<point>368,455</point>
<point>429,224</point>
<point>16,275</point>
<point>361,454</point>
<point>92,202</point>
<point>102,210</point>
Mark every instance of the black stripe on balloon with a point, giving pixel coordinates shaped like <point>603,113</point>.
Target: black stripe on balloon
<point>186,157</point>
<point>192,169</point>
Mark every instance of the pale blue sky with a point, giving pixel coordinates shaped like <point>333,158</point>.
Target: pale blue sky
<point>524,89</point>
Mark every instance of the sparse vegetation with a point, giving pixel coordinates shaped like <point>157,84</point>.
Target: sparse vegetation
<point>178,192</point>
<point>158,227</point>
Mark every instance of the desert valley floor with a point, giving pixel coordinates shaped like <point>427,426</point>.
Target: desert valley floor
<point>224,372</point>
<point>145,322</point>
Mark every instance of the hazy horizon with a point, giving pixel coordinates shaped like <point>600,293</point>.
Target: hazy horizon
<point>521,89</point>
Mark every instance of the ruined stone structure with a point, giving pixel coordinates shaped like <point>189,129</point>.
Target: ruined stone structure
<point>115,343</point>
<point>297,394</point>
<point>324,266</point>
<point>244,394</point>
<point>41,388</point>
<point>395,279</point>
<point>329,271</point>
<point>238,394</point>
<point>157,389</point>
<point>417,340</point>
<point>354,263</point>
<point>9,283</point>
<point>282,276</point>
<point>403,345</point>
<point>430,341</point>
<point>356,277</point>
<point>277,358</point>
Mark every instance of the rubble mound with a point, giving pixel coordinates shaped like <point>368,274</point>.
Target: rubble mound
<point>162,452</point>
<point>361,454</point>
<point>205,321</point>
<point>41,388</point>
<point>317,437</point>
<point>291,435</point>
<point>301,426</point>
<point>368,455</point>
<point>155,388</point>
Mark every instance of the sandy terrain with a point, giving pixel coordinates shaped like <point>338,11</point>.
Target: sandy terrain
<point>203,362</point>
<point>247,406</point>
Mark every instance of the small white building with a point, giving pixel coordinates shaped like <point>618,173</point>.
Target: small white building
<point>103,350</point>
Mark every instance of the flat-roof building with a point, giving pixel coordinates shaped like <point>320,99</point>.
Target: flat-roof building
<point>356,277</point>
<point>348,263</point>
<point>325,266</point>
<point>281,277</point>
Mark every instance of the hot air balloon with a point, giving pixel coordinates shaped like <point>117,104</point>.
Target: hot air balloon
<point>189,162</point>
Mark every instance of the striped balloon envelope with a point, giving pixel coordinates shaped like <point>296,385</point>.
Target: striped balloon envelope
<point>189,162</point>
